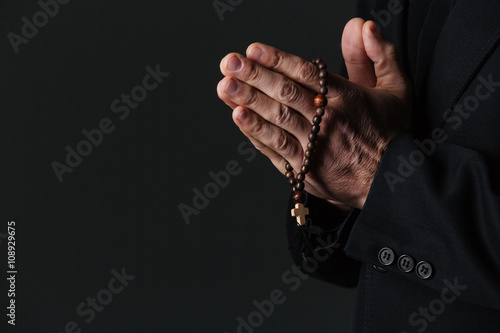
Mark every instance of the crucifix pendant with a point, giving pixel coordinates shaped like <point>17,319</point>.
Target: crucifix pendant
<point>300,212</point>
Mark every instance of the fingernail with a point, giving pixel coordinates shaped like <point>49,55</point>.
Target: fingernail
<point>242,115</point>
<point>231,87</point>
<point>374,29</point>
<point>256,53</point>
<point>234,64</point>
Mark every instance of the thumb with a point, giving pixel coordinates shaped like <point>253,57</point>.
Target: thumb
<point>387,64</point>
<point>358,64</point>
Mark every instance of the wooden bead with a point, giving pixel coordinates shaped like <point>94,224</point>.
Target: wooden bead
<point>320,100</point>
<point>300,177</point>
<point>298,197</point>
<point>299,186</point>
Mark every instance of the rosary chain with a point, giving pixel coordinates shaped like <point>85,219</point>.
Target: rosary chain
<point>320,102</point>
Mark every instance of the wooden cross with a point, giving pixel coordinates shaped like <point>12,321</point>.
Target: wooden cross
<point>300,212</point>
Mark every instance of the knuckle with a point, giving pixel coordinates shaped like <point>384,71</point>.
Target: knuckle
<point>307,72</point>
<point>353,96</point>
<point>336,91</point>
<point>282,143</point>
<point>391,50</point>
<point>258,128</point>
<point>289,92</point>
<point>253,74</point>
<point>276,60</point>
<point>250,97</point>
<point>283,114</point>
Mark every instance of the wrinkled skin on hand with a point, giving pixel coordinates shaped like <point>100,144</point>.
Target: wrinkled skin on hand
<point>271,93</point>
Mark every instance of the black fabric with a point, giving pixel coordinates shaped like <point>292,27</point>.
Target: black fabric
<point>445,209</point>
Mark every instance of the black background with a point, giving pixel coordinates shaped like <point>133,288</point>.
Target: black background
<point>119,207</point>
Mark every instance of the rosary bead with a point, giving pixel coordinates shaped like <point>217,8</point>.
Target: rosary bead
<point>298,197</point>
<point>297,183</point>
<point>320,100</point>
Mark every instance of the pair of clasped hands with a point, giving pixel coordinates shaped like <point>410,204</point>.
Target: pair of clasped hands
<point>271,93</point>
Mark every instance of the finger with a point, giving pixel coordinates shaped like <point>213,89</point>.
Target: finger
<point>274,85</point>
<point>276,139</point>
<point>388,68</point>
<point>276,159</point>
<point>359,65</point>
<point>239,93</point>
<point>224,88</point>
<point>294,67</point>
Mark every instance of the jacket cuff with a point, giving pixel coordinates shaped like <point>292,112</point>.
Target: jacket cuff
<point>372,233</point>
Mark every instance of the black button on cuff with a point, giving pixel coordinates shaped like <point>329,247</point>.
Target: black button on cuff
<point>406,263</point>
<point>424,270</point>
<point>386,256</point>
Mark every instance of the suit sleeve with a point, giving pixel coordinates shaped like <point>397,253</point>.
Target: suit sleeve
<point>441,207</point>
<point>318,247</point>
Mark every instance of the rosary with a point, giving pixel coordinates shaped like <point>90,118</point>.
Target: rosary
<point>297,183</point>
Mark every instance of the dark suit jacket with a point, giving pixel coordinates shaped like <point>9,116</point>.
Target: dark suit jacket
<point>424,252</point>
